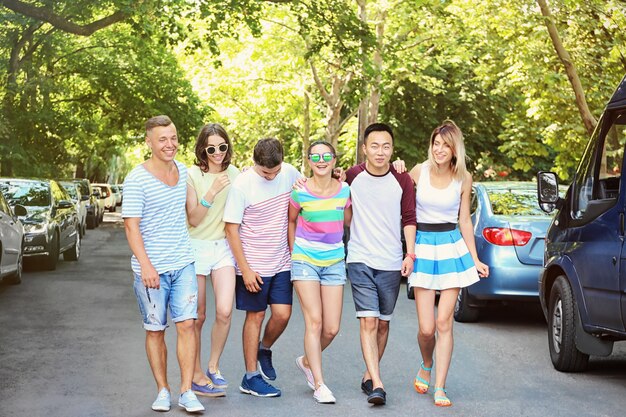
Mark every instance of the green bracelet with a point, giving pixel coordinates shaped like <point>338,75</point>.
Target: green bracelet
<point>205,203</point>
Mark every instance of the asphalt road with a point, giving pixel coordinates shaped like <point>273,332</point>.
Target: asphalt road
<point>72,344</point>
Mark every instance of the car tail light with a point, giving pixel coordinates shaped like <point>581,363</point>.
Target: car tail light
<point>504,236</point>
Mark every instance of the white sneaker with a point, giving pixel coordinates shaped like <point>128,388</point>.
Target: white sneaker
<point>323,395</point>
<point>306,371</point>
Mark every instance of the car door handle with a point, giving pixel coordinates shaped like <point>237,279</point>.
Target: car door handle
<point>614,259</point>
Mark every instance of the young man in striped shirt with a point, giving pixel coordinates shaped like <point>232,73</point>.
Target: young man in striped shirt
<point>256,229</point>
<point>156,228</point>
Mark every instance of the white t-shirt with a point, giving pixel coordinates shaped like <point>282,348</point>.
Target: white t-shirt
<point>381,206</point>
<point>261,207</point>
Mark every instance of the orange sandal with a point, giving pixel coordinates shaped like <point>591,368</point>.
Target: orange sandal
<point>442,400</point>
<point>420,384</point>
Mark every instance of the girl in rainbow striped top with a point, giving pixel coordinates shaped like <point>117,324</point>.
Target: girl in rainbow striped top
<point>317,214</point>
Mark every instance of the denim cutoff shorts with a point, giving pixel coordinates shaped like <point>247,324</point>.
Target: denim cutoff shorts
<point>210,255</point>
<point>334,274</point>
<point>179,291</point>
<point>374,291</point>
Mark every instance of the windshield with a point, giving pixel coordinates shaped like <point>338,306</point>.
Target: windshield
<point>71,189</point>
<point>26,193</point>
<point>515,202</point>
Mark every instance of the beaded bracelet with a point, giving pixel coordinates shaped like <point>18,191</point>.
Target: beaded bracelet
<point>205,203</point>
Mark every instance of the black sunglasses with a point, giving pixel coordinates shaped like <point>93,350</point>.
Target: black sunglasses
<point>211,149</point>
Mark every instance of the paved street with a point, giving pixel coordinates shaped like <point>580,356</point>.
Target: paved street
<point>71,344</point>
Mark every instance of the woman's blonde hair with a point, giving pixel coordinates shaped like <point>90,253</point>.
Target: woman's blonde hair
<point>453,137</point>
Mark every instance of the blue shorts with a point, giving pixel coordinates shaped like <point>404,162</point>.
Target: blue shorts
<point>276,289</point>
<point>375,292</point>
<point>179,290</point>
<point>334,274</point>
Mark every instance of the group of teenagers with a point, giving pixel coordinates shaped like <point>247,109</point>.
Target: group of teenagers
<point>259,233</point>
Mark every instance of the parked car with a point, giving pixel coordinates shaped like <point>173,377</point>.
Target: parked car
<point>11,242</point>
<point>100,199</point>
<point>117,192</point>
<point>509,230</point>
<point>582,287</point>
<point>94,214</point>
<point>109,197</point>
<point>51,223</point>
<point>80,201</point>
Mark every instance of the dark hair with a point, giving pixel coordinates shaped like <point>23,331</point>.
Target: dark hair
<point>321,142</point>
<point>377,127</point>
<point>202,159</point>
<point>155,121</point>
<point>268,153</point>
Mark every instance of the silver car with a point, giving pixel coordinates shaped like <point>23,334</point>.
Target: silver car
<point>11,242</point>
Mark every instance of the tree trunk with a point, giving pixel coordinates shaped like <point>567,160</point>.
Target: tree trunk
<point>588,120</point>
<point>306,133</point>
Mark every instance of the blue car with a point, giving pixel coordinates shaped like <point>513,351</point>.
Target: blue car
<point>510,230</point>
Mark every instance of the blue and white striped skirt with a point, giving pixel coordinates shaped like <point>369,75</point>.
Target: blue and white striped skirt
<point>442,261</point>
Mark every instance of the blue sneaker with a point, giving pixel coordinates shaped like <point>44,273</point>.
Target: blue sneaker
<point>217,379</point>
<point>163,400</point>
<point>265,364</point>
<point>258,387</point>
<point>189,402</point>
<point>208,390</point>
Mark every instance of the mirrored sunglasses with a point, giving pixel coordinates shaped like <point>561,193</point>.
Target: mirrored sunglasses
<point>211,149</point>
<point>326,157</point>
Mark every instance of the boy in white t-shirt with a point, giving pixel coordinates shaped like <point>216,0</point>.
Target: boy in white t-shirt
<point>256,229</point>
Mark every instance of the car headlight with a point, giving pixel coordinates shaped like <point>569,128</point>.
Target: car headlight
<point>35,227</point>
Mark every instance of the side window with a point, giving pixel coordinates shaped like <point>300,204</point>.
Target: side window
<point>473,202</point>
<point>600,170</point>
<point>4,207</point>
<point>57,193</point>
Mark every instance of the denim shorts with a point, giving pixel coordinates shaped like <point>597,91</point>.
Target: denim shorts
<point>375,292</point>
<point>276,289</point>
<point>334,274</point>
<point>179,291</point>
<point>211,255</point>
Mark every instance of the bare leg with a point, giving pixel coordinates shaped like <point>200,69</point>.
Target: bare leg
<point>369,347</point>
<point>224,289</point>
<point>277,323</point>
<point>382,335</point>
<point>157,357</point>
<point>198,373</point>
<point>425,307</point>
<point>186,352</point>
<point>251,333</point>
<point>311,302</point>
<point>445,340</point>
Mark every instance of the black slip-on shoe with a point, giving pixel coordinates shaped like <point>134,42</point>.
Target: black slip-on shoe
<point>367,386</point>
<point>378,396</point>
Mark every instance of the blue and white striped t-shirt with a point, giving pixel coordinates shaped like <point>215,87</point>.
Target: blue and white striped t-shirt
<point>163,222</point>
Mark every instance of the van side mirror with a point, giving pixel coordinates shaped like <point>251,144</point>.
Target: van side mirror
<point>548,191</point>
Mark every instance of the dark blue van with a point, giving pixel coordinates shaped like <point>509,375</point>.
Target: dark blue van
<point>582,286</point>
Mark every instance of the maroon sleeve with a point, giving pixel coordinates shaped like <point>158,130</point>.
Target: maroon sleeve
<point>351,173</point>
<point>407,204</point>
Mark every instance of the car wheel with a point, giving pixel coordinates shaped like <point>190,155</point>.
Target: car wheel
<point>563,313</point>
<point>463,311</point>
<point>50,261</point>
<point>16,277</point>
<point>73,253</point>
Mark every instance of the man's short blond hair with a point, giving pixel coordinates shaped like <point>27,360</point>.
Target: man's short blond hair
<point>156,121</point>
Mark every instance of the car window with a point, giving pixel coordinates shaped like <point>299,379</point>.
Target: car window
<point>600,170</point>
<point>474,201</point>
<point>512,201</point>
<point>57,192</point>
<point>71,189</point>
<point>26,193</point>
<point>4,207</point>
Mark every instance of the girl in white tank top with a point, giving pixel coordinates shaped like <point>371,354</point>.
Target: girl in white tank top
<point>445,251</point>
